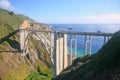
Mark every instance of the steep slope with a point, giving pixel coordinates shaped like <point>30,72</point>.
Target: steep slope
<point>10,19</point>
<point>9,23</point>
<point>14,66</point>
<point>105,65</point>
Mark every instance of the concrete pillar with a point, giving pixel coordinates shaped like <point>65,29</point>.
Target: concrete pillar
<point>71,50</point>
<point>65,55</point>
<point>85,45</point>
<point>90,45</point>
<point>75,46</point>
<point>104,40</point>
<point>56,60</point>
<point>22,40</point>
<point>60,39</point>
<point>23,35</point>
<point>60,53</point>
<point>51,55</point>
<point>62,46</point>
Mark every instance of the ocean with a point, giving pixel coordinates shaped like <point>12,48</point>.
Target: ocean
<point>97,42</point>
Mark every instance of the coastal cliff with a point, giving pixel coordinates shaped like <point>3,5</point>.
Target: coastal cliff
<point>14,66</point>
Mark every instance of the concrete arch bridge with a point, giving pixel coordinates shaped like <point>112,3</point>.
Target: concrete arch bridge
<point>55,43</point>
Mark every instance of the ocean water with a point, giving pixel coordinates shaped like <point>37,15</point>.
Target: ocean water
<point>97,42</point>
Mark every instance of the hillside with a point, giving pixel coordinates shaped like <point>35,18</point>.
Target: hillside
<point>14,66</point>
<point>105,65</point>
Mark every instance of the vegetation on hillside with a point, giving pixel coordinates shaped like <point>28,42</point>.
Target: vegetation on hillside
<point>14,66</point>
<point>9,24</point>
<point>9,19</point>
<point>105,65</point>
<point>41,74</point>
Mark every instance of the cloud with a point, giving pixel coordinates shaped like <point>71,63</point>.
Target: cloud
<point>104,18</point>
<point>6,4</point>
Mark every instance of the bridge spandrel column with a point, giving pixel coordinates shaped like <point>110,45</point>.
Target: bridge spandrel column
<point>51,45</point>
<point>23,34</point>
<point>90,44</point>
<point>71,55</point>
<point>60,53</point>
<point>75,47</point>
<point>85,45</point>
<point>22,40</point>
<point>60,45</point>
<point>56,55</point>
<point>104,40</point>
<point>65,55</point>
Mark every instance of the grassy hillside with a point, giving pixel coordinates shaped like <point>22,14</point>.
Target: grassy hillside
<point>14,66</point>
<point>10,19</point>
<point>105,65</point>
<point>9,23</point>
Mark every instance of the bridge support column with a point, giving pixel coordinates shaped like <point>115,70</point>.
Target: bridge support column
<point>90,44</point>
<point>71,58</point>
<point>104,40</point>
<point>60,53</point>
<point>85,45</point>
<point>75,46</point>
<point>65,55</point>
<point>51,45</point>
<point>23,36</point>
<point>56,67</point>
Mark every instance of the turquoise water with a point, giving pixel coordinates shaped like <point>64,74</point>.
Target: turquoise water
<point>97,42</point>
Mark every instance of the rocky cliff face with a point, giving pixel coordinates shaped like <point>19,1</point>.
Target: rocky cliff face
<point>14,66</point>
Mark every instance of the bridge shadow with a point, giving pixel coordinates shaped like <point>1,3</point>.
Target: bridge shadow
<point>13,43</point>
<point>8,51</point>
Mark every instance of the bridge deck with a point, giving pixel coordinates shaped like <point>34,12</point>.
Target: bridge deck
<point>58,45</point>
<point>77,33</point>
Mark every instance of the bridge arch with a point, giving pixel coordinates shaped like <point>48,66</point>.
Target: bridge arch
<point>56,45</point>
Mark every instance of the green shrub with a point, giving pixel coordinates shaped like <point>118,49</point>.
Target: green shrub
<point>41,74</point>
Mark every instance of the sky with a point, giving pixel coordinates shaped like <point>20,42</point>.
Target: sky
<point>66,11</point>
